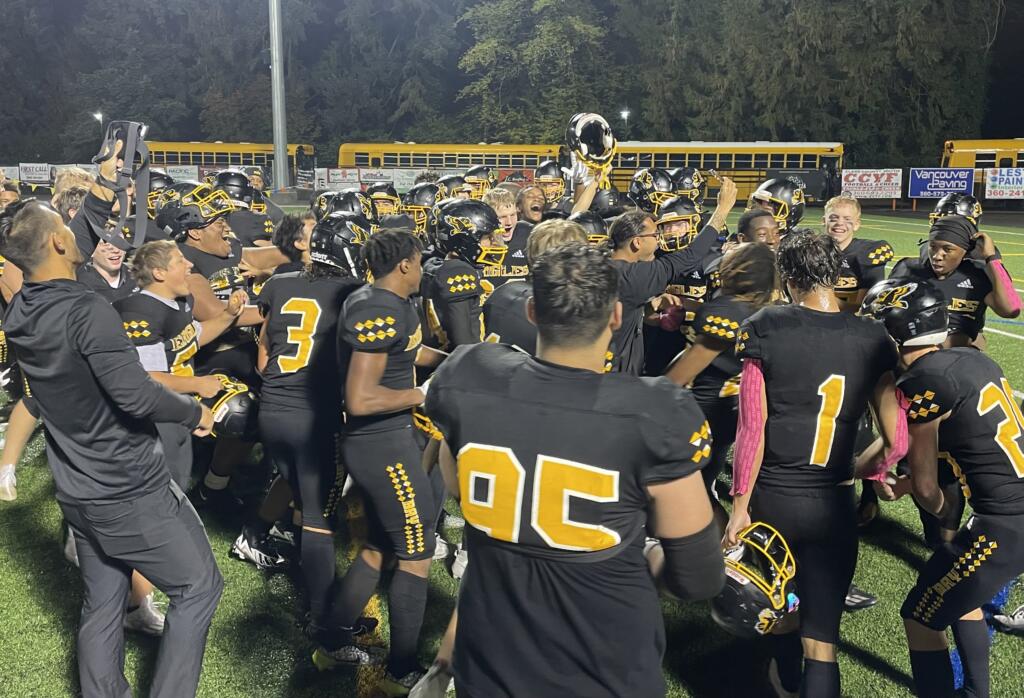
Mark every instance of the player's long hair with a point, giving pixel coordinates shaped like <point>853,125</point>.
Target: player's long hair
<point>315,270</point>
<point>748,274</point>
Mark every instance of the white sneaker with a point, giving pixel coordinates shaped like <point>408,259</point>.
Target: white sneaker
<point>1012,623</point>
<point>283,535</point>
<point>71,549</point>
<point>441,548</point>
<point>147,618</point>
<point>8,483</point>
<point>460,562</point>
<point>453,521</point>
<point>259,554</point>
<point>436,683</point>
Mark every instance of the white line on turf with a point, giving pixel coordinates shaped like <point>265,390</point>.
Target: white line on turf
<point>1004,333</point>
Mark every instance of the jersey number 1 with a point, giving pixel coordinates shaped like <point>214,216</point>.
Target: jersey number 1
<point>1011,427</point>
<point>308,311</point>
<point>832,392</point>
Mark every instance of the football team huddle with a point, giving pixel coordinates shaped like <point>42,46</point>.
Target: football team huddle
<point>616,395</point>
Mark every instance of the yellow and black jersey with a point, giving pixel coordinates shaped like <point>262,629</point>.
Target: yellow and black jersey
<point>377,321</point>
<point>863,265</point>
<point>719,321</point>
<point>452,291</point>
<point>983,437</point>
<point>965,291</point>
<point>250,227</point>
<point>820,369</point>
<point>164,333</point>
<point>301,329</point>
<point>514,267</point>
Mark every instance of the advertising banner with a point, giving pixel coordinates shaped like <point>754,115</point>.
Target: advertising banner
<point>182,172</point>
<point>873,184</point>
<point>34,171</point>
<point>936,182</point>
<point>1004,183</point>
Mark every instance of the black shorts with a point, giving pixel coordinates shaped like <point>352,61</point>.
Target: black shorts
<point>986,554</point>
<point>820,526</point>
<point>301,445</point>
<point>400,511</point>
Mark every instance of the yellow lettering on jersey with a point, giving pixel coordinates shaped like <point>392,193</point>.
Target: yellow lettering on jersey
<point>182,365</point>
<point>183,337</point>
<point>960,305</point>
<point>846,282</point>
<point>415,339</point>
<point>555,482</point>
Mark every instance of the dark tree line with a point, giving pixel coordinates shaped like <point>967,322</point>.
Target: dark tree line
<point>890,79</point>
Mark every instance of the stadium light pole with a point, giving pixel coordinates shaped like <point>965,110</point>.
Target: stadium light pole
<point>625,122</point>
<point>99,117</point>
<point>277,97</point>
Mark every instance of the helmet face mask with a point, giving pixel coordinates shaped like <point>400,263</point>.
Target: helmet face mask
<point>481,179</point>
<point>461,226</point>
<point>785,198</point>
<point>650,188</point>
<point>590,138</point>
<point>957,205</point>
<point>593,224</point>
<point>548,176</point>
<point>385,198</point>
<point>189,206</point>
<point>335,242</point>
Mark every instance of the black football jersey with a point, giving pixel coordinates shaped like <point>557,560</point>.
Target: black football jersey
<point>505,317</point>
<point>222,272</point>
<point>250,227</point>
<point>983,437</point>
<point>820,370</point>
<point>555,500</point>
<point>451,291</point>
<point>862,267</point>
<point>379,321</point>
<point>515,266</point>
<point>302,328</point>
<point>965,290</point>
<point>152,322</point>
<point>720,319</point>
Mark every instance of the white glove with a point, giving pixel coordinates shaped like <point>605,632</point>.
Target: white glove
<point>425,387</point>
<point>5,378</point>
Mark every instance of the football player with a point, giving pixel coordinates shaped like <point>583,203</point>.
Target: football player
<point>418,202</point>
<point>650,188</point>
<point>959,405</point>
<point>252,228</point>
<point>793,467</point>
<point>381,337</point>
<point>556,498</point>
<point>106,273</point>
<point>385,198</point>
<point>453,187</point>
<point>783,198</point>
<point>863,260</point>
<point>758,225</point>
<point>530,203</point>
<point>261,202</point>
<point>514,235</point>
<point>634,239</point>
<point>593,225</point>
<point>480,179</point>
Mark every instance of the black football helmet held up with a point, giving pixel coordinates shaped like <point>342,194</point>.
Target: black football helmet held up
<point>689,182</point>
<point>590,138</point>
<point>676,209</point>
<point>784,198</point>
<point>451,186</point>
<point>418,202</point>
<point>385,198</point>
<point>190,205</point>
<point>337,241</point>
<point>548,176</point>
<point>651,186</point>
<point>913,312</point>
<point>481,179</point>
<point>235,184</point>
<point>460,227</point>
<point>234,409</point>
<point>957,205</point>
<point>759,572</point>
<point>609,203</point>
<point>158,181</point>
<point>593,223</point>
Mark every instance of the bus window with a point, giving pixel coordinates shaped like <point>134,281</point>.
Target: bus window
<point>246,158</point>
<point>985,160</point>
<point>809,161</point>
<point>661,160</point>
<point>1006,162</point>
<point>710,161</point>
<point>1020,159</point>
<point>793,160</point>
<point>725,161</point>
<point>761,161</point>
<point>374,162</point>
<point>235,158</point>
<point>743,161</point>
<point>676,160</point>
<point>693,160</point>
<point>644,160</point>
<point>778,160</point>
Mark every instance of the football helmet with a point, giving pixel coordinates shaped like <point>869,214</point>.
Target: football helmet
<point>461,224</point>
<point>337,241</point>
<point>689,182</point>
<point>590,138</point>
<point>451,186</point>
<point>234,409</point>
<point>593,223</point>
<point>352,200</point>
<point>957,205</point>
<point>548,176</point>
<point>190,205</point>
<point>235,184</point>
<point>418,203</point>
<point>385,198</point>
<point>651,187</point>
<point>759,586</point>
<point>913,312</point>
<point>608,203</point>
<point>158,181</point>
<point>785,198</point>
<point>675,210</point>
<point>481,179</point>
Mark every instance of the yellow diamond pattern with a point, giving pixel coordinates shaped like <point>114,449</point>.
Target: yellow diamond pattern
<point>881,255</point>
<point>964,567</point>
<point>461,282</point>
<point>701,440</point>
<point>136,329</point>
<point>374,330</point>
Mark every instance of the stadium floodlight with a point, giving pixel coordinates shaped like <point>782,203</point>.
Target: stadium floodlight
<point>624,114</point>
<point>99,117</point>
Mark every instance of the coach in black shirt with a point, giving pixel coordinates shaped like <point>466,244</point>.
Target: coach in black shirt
<point>113,485</point>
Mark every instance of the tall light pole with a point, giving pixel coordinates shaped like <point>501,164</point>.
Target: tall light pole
<point>277,97</point>
<point>625,123</point>
<point>99,117</point>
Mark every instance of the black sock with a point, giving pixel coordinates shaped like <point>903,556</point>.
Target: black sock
<point>972,642</point>
<point>933,673</point>
<point>354,591</point>
<point>788,652</point>
<point>407,598</point>
<point>318,569</point>
<point>437,489</point>
<point>821,680</point>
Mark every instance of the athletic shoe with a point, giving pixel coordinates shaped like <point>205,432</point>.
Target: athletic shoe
<point>441,548</point>
<point>776,682</point>
<point>857,598</point>
<point>1012,623</point>
<point>147,618</point>
<point>364,625</point>
<point>348,655</point>
<point>8,483</point>
<point>460,562</point>
<point>71,549</point>
<point>452,521</point>
<point>436,683</point>
<point>284,535</point>
<point>258,552</point>
<point>399,686</point>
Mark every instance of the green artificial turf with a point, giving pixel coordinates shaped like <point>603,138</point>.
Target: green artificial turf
<point>256,649</point>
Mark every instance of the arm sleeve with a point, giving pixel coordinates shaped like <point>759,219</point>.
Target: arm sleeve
<point>89,221</point>
<point>749,427</point>
<point>96,330</point>
<point>694,565</point>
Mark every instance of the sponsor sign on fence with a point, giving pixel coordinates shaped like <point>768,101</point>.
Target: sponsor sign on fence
<point>936,182</point>
<point>1004,183</point>
<point>874,184</point>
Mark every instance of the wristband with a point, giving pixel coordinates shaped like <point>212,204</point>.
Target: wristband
<point>993,258</point>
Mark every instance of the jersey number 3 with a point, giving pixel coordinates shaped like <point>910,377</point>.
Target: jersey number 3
<point>301,336</point>
<point>492,485</point>
<point>1011,427</point>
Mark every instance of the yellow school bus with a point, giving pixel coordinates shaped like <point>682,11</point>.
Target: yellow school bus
<point>980,154</point>
<point>746,163</point>
<point>221,155</point>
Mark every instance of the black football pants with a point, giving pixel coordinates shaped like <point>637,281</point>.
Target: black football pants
<point>160,535</point>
